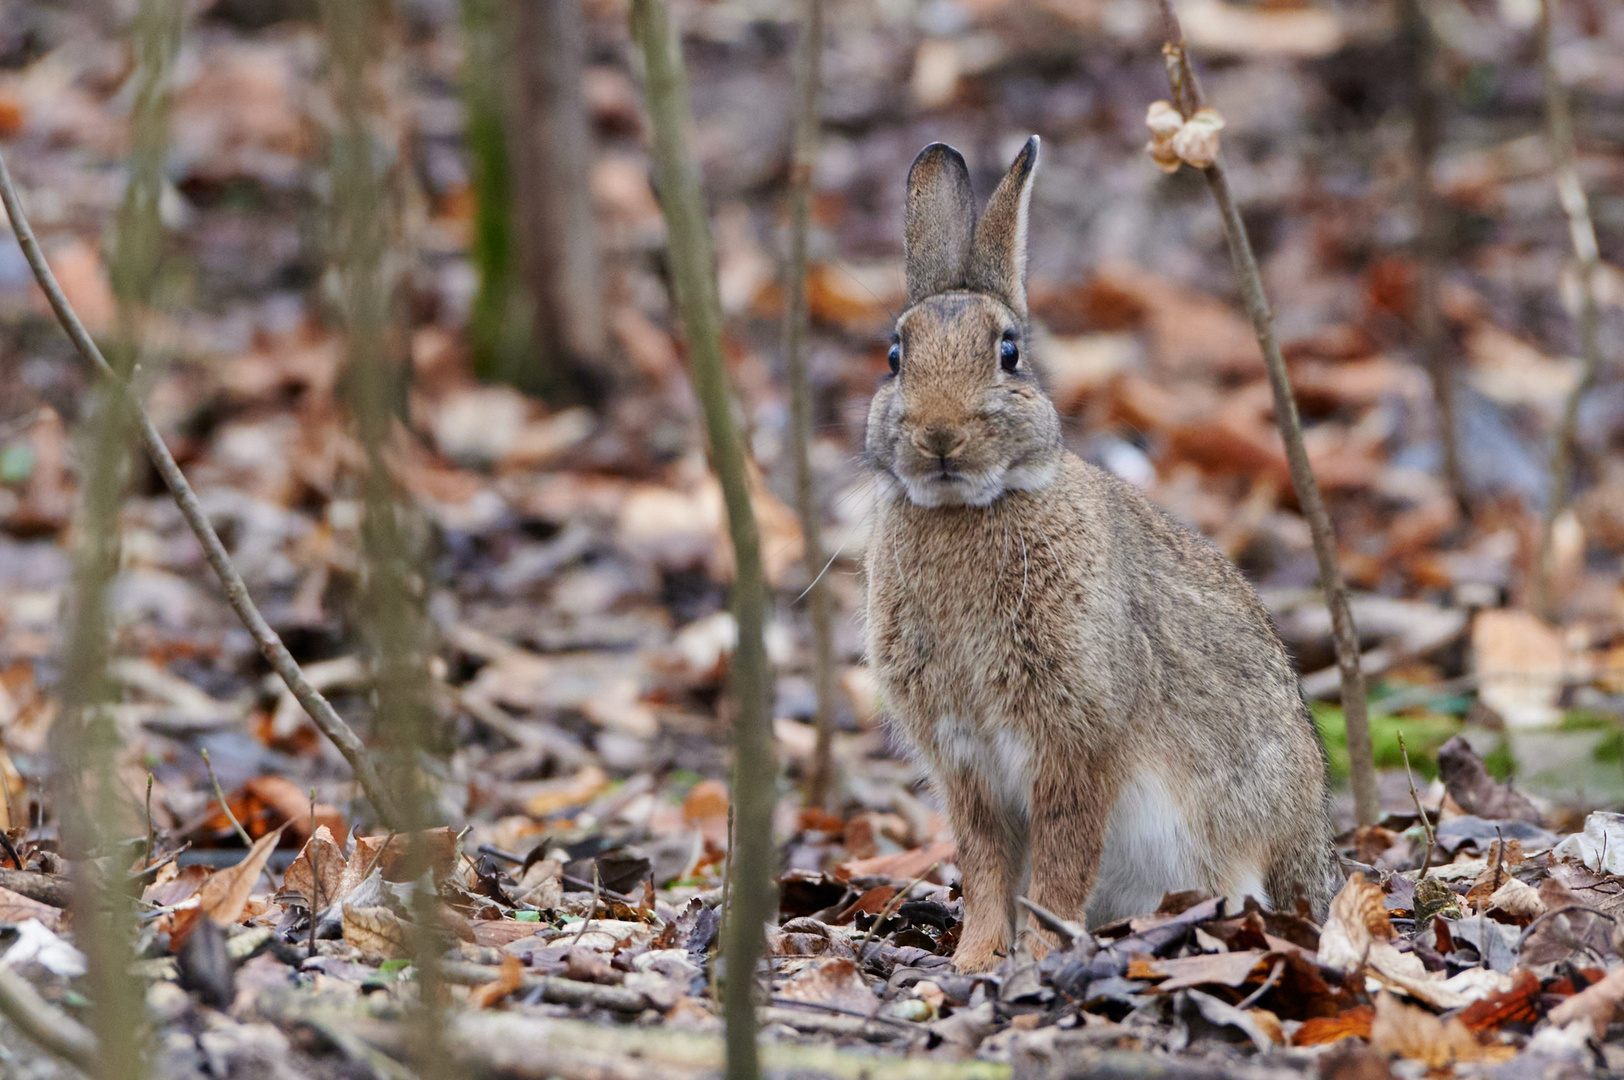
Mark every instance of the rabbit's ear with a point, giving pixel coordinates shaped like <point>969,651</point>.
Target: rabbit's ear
<point>939,220</point>
<point>998,255</point>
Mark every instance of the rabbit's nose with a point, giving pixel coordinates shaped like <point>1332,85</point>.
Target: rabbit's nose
<point>939,441</point>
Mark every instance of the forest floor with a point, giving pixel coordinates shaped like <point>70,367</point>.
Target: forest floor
<point>578,558</point>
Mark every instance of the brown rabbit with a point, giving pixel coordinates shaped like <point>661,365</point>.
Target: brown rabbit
<point>1098,694</point>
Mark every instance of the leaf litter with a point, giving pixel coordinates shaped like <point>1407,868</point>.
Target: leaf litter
<point>580,570</point>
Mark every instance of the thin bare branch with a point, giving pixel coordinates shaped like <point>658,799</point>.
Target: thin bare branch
<point>693,275</point>
<point>802,422</point>
<point>1187,99</point>
<point>1582,232</point>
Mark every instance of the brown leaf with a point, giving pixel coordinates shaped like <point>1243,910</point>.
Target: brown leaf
<point>1319,1030</point>
<point>224,894</point>
<point>834,983</point>
<point>439,848</point>
<point>1358,917</point>
<point>376,932</point>
<point>553,796</point>
<point>1404,1031</point>
<point>509,977</point>
<point>16,908</point>
<point>1520,1004</point>
<point>1462,771</point>
<point>904,865</point>
<point>1223,969</point>
<point>289,804</point>
<point>495,933</point>
<point>330,864</point>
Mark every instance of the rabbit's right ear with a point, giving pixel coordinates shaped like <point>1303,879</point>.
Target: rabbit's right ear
<point>939,222</point>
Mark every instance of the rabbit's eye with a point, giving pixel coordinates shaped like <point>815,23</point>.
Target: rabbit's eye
<point>1009,353</point>
<point>894,357</point>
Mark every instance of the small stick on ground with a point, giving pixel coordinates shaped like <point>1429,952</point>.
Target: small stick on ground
<point>597,886</point>
<point>220,797</point>
<point>1187,99</point>
<point>152,831</point>
<point>1582,232</point>
<point>47,1027</point>
<point>1426,826</point>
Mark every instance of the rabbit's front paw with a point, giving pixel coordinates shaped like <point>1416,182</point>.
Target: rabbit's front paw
<point>980,953</point>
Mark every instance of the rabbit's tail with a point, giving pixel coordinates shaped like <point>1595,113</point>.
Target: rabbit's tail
<point>1305,869</point>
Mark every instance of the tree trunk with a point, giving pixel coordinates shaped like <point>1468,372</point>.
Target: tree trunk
<point>551,155</point>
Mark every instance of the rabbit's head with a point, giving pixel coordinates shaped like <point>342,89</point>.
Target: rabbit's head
<point>962,419</point>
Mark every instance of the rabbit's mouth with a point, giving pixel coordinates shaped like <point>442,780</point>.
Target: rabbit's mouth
<point>947,486</point>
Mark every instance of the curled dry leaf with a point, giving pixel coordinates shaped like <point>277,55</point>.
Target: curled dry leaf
<point>509,977</point>
<point>1358,917</point>
<point>329,862</point>
<point>1518,900</point>
<point>223,895</point>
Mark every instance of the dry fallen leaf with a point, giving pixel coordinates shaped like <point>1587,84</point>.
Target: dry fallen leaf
<point>1405,1031</point>
<point>509,977</point>
<point>376,932</point>
<point>1358,917</point>
<point>330,864</point>
<point>1320,1030</point>
<point>16,908</point>
<point>224,894</point>
<point>833,983</point>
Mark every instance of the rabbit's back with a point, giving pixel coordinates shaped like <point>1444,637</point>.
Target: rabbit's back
<point>1079,620</point>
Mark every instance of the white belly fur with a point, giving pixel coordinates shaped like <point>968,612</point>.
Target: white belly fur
<point>1001,759</point>
<point>1150,850</point>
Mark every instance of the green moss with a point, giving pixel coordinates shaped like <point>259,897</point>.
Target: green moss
<point>1499,761</point>
<point>1423,735</point>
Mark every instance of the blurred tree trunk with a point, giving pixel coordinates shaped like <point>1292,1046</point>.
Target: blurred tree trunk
<point>499,324</point>
<point>550,149</point>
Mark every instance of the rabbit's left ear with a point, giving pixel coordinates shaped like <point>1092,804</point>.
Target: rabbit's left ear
<point>998,253</point>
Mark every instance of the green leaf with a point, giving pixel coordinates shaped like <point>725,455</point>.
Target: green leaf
<point>527,916</point>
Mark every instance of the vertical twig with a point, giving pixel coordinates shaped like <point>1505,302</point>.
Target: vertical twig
<point>152,830</point>
<point>85,742</point>
<point>1187,98</point>
<point>220,797</point>
<point>364,213</point>
<point>315,874</point>
<point>803,158</point>
<point>1582,232</point>
<point>1415,797</point>
<point>694,282</point>
<point>1420,47</point>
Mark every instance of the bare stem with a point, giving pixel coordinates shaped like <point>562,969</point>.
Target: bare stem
<point>802,161</point>
<point>694,282</point>
<point>1415,797</point>
<point>220,797</point>
<point>1582,232</point>
<point>320,711</point>
<point>1187,97</point>
<point>365,218</point>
